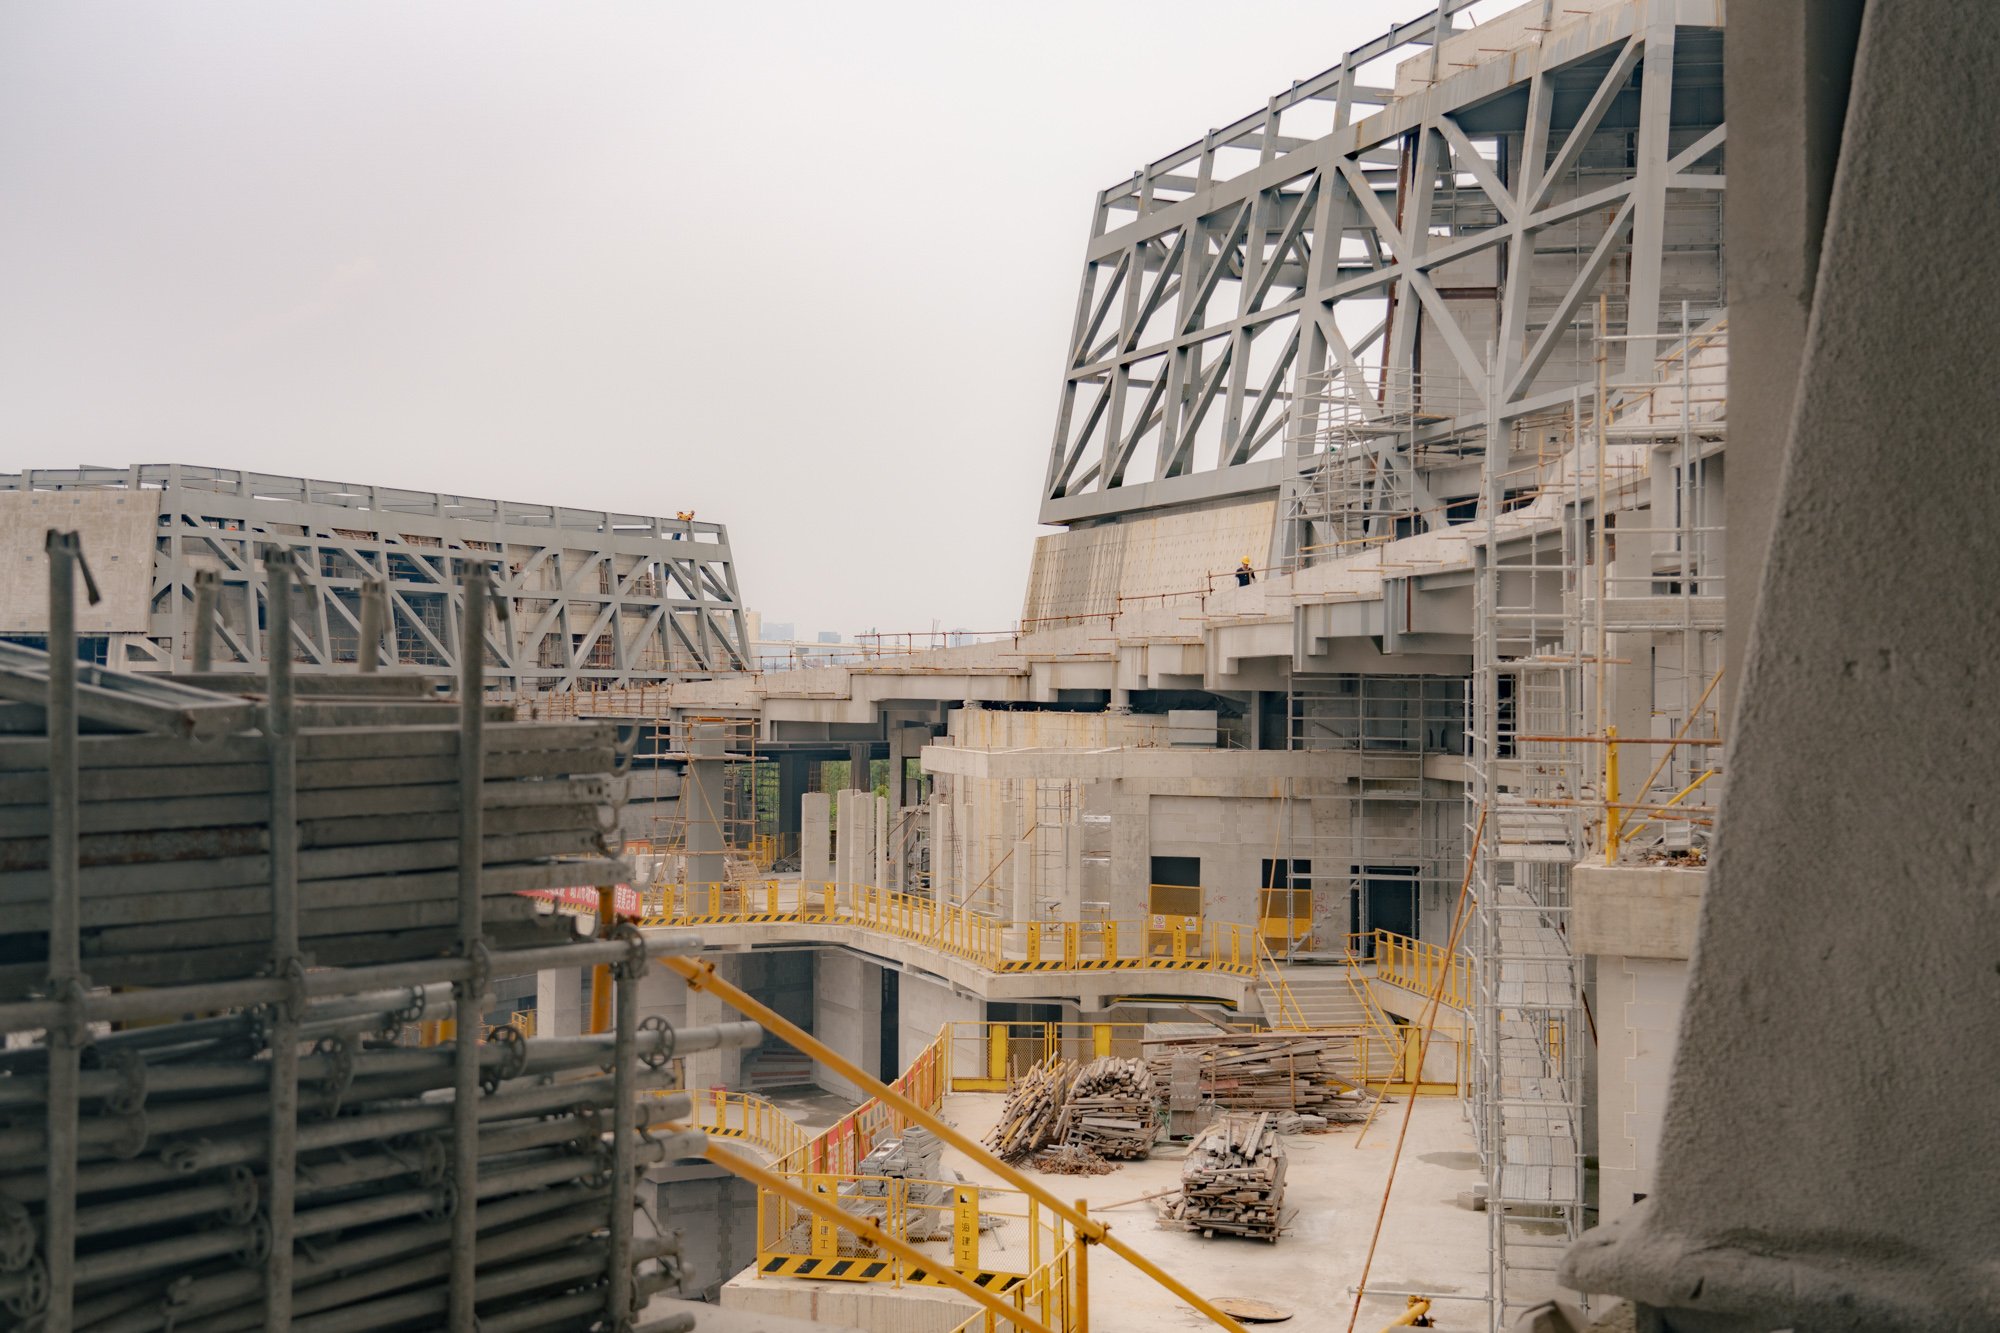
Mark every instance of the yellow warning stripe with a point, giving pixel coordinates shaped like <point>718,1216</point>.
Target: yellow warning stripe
<point>875,1270</point>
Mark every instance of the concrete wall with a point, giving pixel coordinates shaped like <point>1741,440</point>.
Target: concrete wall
<point>923,1007</point>
<point>847,1015</point>
<point>1639,1003</point>
<point>117,529</point>
<point>664,994</point>
<point>815,837</point>
<point>716,1216</point>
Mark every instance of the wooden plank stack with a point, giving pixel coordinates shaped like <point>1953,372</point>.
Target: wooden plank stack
<point>1232,1181</point>
<point>1265,1071</point>
<point>1110,1109</point>
<point>1028,1118</point>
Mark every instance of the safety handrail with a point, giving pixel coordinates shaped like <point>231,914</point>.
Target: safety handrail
<point>1418,966</point>
<point>1274,978</point>
<point>995,945</point>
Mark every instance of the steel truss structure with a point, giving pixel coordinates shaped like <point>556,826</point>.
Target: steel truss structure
<point>594,599</point>
<point>1435,236</point>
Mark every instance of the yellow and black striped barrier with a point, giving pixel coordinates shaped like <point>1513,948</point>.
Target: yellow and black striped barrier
<point>876,1270</point>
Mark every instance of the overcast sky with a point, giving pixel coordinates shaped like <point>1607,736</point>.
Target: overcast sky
<point>805,268</point>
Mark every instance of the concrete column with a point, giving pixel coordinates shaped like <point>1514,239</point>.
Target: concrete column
<point>794,776</point>
<point>859,757</point>
<point>884,875</point>
<point>1072,860</point>
<point>702,802</point>
<point>559,1002</point>
<point>1021,867</point>
<point>815,839</point>
<point>847,1015</point>
<point>664,995</point>
<point>923,1009</point>
<point>944,850</point>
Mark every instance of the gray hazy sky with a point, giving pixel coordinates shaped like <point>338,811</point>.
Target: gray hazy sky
<point>806,268</point>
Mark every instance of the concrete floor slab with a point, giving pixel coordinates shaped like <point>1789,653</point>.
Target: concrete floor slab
<point>1334,1186</point>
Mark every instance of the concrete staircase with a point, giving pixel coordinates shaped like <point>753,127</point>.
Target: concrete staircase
<point>1321,994</point>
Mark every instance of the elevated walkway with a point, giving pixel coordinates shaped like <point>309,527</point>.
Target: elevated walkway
<point>1096,963</point>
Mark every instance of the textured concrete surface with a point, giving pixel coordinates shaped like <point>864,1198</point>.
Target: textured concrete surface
<point>1794,96</point>
<point>1636,911</point>
<point>1828,1155</point>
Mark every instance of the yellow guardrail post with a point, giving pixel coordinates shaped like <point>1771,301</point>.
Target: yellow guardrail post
<point>825,1235</point>
<point>965,1226</point>
<point>1069,944</point>
<point>1080,1257</point>
<point>996,1051</point>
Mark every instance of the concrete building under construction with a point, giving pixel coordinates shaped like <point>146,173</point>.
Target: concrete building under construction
<point>1369,708</point>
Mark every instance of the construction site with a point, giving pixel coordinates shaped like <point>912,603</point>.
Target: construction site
<point>429,911</point>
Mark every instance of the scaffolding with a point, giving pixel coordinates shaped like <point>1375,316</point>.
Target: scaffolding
<point>1393,865</point>
<point>1522,799</point>
<point>1367,446</point>
<point>1591,606</point>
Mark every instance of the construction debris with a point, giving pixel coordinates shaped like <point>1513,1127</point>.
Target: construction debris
<point>1233,1181</point>
<point>1110,1109</point>
<point>1028,1119</point>
<point>1070,1159</point>
<point>1304,1073</point>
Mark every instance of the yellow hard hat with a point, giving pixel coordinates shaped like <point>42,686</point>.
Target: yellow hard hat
<point>1246,559</point>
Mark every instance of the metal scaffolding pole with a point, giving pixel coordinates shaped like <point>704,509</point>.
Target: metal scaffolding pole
<point>66,1031</point>
<point>470,995</point>
<point>286,965</point>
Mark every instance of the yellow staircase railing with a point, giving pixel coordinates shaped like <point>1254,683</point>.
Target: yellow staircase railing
<point>1420,967</point>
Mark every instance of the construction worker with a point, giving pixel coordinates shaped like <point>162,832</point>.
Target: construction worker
<point>686,516</point>
<point>1246,574</point>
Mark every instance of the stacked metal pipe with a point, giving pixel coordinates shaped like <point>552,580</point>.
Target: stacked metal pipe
<point>216,916</point>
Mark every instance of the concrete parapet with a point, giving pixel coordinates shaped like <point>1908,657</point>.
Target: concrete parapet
<point>1636,911</point>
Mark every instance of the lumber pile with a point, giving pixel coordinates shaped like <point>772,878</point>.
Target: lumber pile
<point>1068,1159</point>
<point>1110,1109</point>
<point>175,847</point>
<point>1028,1117</point>
<point>1305,1073</point>
<point>1232,1181</point>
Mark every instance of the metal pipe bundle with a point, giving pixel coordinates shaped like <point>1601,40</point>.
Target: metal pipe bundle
<point>218,919</point>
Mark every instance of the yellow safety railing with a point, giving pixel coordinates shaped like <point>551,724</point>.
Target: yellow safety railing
<point>954,1215</point>
<point>1290,1015</point>
<point>746,1116</point>
<point>702,976</point>
<point>997,946</point>
<point>1057,1293</point>
<point>1415,965</point>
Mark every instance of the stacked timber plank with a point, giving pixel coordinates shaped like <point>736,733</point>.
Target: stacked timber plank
<point>1232,1181</point>
<point>1028,1117</point>
<point>1110,1109</point>
<point>1266,1071</point>
<point>175,848</point>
